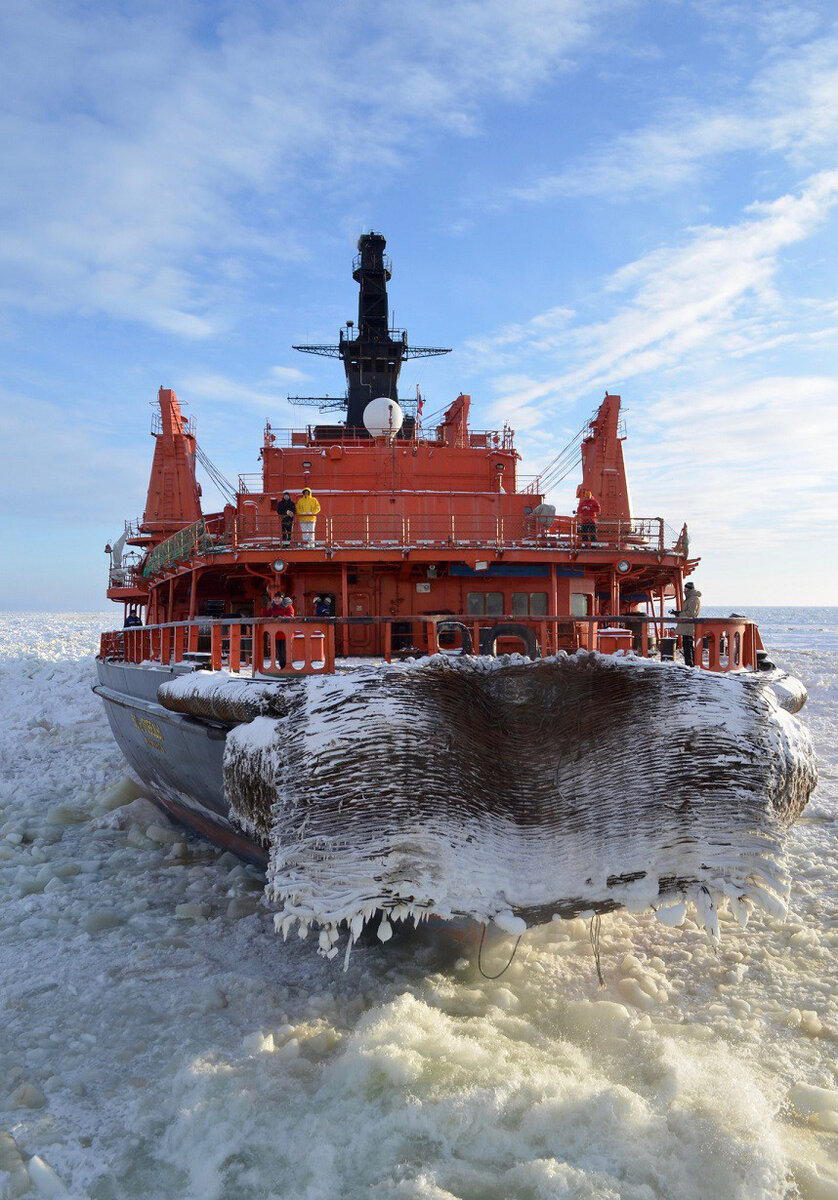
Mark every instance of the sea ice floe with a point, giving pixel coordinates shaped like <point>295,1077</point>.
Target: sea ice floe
<point>818,1105</point>
<point>444,1090</point>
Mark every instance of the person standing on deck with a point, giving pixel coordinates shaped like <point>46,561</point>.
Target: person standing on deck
<point>286,607</point>
<point>586,515</point>
<point>287,510</point>
<point>307,508</point>
<point>686,628</point>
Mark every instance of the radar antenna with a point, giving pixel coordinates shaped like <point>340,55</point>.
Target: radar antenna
<point>372,351</point>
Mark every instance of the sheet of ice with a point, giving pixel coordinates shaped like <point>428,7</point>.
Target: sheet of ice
<point>201,1057</point>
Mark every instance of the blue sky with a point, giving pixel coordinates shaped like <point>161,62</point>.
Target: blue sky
<point>577,195</point>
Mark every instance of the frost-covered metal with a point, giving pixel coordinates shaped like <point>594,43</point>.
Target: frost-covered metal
<point>491,788</point>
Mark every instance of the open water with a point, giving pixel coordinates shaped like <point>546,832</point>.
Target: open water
<point>157,1039</point>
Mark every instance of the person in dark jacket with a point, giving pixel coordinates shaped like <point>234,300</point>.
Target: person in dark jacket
<point>586,514</point>
<point>322,607</point>
<point>286,509</point>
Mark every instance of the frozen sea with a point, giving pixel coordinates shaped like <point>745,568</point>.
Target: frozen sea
<point>158,1039</point>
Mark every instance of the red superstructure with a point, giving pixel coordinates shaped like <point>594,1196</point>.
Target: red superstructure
<point>501,779</point>
<point>415,526</point>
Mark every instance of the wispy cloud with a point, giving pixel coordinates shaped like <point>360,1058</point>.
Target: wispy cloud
<point>766,453</point>
<point>220,389</point>
<point>137,140</point>
<point>789,109</point>
<point>748,456</point>
<point>53,468</point>
<point>287,374</point>
<point>717,290</point>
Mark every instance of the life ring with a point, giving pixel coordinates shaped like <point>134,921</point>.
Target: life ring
<point>489,639</point>
<point>467,646</point>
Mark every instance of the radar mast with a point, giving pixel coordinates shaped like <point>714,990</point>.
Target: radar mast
<point>372,351</point>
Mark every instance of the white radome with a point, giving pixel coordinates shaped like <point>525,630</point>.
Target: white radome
<point>383,417</point>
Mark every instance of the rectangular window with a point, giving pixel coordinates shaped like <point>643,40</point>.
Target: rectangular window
<point>484,604</point>
<point>529,604</point>
<point>580,604</point>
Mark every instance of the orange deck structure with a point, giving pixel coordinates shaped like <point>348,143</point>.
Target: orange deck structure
<point>431,527</point>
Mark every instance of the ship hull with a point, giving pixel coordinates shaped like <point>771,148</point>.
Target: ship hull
<point>177,758</point>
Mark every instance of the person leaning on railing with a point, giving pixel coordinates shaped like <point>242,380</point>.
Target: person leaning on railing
<point>307,508</point>
<point>271,605</point>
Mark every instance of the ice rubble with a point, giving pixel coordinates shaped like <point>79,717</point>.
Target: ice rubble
<point>197,1058</point>
<point>499,789</point>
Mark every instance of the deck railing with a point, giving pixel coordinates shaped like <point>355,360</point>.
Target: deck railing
<point>393,529</point>
<point>268,646</point>
<point>334,434</point>
<point>255,529</point>
<point>200,538</point>
<point>306,645</point>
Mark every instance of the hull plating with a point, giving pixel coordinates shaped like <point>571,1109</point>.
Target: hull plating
<point>178,758</point>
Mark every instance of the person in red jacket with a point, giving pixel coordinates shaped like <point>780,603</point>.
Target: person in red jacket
<point>286,607</point>
<point>270,606</point>
<point>586,515</point>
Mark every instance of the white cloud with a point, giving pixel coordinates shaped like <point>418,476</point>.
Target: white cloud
<point>767,448</point>
<point>287,374</point>
<point>714,293</point>
<point>220,389</point>
<point>53,468</point>
<point>749,456</point>
<point>790,109</point>
<point>137,141</point>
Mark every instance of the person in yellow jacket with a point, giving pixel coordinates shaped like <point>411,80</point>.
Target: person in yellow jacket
<point>308,507</point>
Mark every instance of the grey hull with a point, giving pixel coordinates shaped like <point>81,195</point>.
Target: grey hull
<point>179,758</point>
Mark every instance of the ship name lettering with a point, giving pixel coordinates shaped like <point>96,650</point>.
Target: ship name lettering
<point>150,728</point>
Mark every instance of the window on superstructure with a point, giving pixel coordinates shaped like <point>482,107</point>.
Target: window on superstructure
<point>529,604</point>
<point>580,604</point>
<point>484,604</point>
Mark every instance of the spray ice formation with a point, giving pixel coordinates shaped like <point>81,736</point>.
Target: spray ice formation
<point>509,790</point>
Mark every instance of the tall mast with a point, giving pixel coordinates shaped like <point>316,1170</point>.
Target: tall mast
<point>372,352</point>
<point>603,468</point>
<point>173,493</point>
